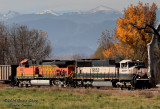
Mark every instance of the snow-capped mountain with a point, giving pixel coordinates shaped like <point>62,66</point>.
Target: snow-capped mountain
<point>48,12</point>
<point>102,9</point>
<point>71,32</point>
<point>9,15</point>
<point>98,9</point>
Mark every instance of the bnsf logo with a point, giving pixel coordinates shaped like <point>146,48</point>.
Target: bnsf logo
<point>95,69</point>
<point>21,69</point>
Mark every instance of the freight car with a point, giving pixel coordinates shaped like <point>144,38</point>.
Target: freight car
<point>8,73</point>
<point>83,73</point>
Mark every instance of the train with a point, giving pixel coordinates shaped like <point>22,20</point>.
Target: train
<point>129,74</point>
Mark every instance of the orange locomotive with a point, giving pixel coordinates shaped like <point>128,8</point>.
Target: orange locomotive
<point>45,72</point>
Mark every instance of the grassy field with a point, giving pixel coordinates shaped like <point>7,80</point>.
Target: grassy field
<point>68,98</point>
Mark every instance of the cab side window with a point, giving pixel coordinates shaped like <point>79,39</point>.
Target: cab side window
<point>22,64</point>
<point>25,64</point>
<point>123,65</point>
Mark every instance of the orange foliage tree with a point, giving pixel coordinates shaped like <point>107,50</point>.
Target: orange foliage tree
<point>111,48</point>
<point>129,42</point>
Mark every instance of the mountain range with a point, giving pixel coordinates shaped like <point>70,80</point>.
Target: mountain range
<point>72,32</point>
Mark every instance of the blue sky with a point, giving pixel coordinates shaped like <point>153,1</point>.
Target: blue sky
<point>31,6</point>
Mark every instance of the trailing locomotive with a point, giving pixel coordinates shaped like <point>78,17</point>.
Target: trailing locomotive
<point>83,73</point>
<point>45,72</point>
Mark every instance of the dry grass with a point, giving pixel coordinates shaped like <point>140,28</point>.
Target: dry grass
<point>147,94</point>
<point>81,98</point>
<point>112,91</point>
<point>109,91</point>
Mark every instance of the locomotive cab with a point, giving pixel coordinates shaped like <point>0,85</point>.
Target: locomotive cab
<point>132,73</point>
<point>129,68</point>
<point>24,70</point>
<point>24,63</point>
<point>124,70</point>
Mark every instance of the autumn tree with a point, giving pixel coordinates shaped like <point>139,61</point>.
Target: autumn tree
<point>135,39</point>
<point>107,43</point>
<point>98,54</point>
<point>130,42</point>
<point>111,48</point>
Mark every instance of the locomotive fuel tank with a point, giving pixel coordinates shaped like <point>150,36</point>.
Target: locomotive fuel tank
<point>101,83</point>
<point>40,82</point>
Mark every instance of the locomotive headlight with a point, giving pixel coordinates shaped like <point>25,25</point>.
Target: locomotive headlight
<point>139,77</point>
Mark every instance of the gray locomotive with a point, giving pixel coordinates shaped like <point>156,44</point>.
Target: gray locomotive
<point>124,74</point>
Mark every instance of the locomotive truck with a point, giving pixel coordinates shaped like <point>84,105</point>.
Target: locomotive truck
<point>81,73</point>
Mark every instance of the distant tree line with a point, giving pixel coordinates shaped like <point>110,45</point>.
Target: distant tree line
<point>18,42</point>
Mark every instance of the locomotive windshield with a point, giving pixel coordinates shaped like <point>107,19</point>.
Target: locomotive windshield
<point>131,64</point>
<point>124,65</point>
<point>25,64</point>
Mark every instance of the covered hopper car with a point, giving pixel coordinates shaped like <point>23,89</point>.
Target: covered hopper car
<point>8,73</point>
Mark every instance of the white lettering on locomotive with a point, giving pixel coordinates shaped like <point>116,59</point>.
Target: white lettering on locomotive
<point>95,69</point>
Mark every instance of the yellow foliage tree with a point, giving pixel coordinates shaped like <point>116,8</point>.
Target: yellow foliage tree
<point>98,54</point>
<point>139,16</point>
<point>130,42</point>
<point>118,51</point>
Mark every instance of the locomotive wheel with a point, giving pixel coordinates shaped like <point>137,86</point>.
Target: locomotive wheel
<point>121,88</point>
<point>20,85</point>
<point>133,83</point>
<point>27,85</point>
<point>98,87</point>
<point>129,88</point>
<point>114,83</point>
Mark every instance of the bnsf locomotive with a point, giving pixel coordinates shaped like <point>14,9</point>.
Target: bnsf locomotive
<point>80,73</point>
